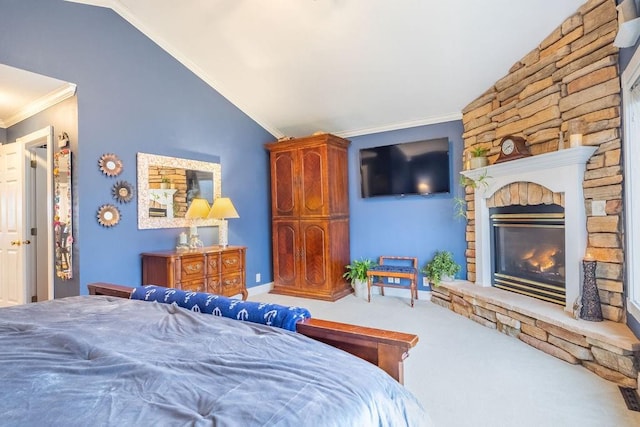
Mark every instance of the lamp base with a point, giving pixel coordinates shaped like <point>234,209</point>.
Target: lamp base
<point>223,237</point>
<point>195,243</point>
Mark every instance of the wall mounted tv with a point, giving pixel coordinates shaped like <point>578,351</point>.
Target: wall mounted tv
<point>420,167</point>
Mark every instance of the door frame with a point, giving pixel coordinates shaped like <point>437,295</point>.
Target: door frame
<point>32,140</point>
<point>631,111</point>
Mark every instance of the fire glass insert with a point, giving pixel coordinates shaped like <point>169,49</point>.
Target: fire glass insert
<point>528,251</point>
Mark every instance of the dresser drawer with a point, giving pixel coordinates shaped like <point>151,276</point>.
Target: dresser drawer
<point>213,264</point>
<point>231,261</point>
<point>231,284</point>
<point>213,285</point>
<point>194,286</point>
<point>192,268</point>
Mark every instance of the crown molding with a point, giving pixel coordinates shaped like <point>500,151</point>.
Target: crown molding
<point>402,125</point>
<point>99,3</point>
<point>63,92</point>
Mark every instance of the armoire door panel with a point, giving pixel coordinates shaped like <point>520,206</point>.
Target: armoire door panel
<point>314,255</point>
<point>286,253</point>
<point>283,182</point>
<point>313,187</point>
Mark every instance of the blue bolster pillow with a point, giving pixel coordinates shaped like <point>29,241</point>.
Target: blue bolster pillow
<point>276,315</point>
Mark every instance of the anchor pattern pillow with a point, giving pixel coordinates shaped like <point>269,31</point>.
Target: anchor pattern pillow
<point>276,315</point>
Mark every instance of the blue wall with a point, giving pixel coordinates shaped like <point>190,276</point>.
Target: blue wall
<point>412,225</point>
<point>134,97</point>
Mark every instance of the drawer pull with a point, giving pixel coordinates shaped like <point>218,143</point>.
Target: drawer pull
<point>231,261</point>
<point>230,282</point>
<point>193,268</point>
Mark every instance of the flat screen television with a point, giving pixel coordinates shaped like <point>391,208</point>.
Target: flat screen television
<point>420,167</point>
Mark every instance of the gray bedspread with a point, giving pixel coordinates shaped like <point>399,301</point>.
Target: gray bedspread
<point>93,361</point>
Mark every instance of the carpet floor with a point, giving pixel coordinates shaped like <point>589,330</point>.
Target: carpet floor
<point>468,375</point>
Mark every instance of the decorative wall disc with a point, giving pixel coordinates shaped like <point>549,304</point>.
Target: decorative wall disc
<point>110,164</point>
<point>108,215</point>
<point>122,191</point>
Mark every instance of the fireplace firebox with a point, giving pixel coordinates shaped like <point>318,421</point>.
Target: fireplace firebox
<point>528,251</point>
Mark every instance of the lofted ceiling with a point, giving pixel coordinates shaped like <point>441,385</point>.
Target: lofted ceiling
<point>349,67</point>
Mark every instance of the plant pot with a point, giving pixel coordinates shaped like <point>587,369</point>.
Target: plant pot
<point>478,162</point>
<point>164,185</point>
<point>446,278</point>
<point>360,288</point>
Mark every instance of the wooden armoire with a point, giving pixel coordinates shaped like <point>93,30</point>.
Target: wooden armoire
<point>310,216</point>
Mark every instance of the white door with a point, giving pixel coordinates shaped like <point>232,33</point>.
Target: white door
<point>12,261</point>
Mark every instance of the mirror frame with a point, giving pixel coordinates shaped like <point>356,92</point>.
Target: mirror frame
<point>63,214</point>
<point>146,222</point>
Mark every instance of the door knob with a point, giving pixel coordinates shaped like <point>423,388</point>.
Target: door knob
<point>16,243</point>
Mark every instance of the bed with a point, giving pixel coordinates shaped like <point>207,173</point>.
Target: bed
<point>107,360</point>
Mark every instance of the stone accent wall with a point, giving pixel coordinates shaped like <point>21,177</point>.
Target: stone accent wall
<point>573,73</point>
<point>524,193</point>
<point>615,363</point>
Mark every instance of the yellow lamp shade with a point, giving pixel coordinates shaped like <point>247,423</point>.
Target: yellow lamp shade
<point>223,208</point>
<point>199,208</point>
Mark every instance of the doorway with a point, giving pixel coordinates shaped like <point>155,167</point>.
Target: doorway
<point>26,255</point>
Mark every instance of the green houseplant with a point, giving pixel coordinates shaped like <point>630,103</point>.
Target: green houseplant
<point>357,274</point>
<point>440,266</point>
<point>460,203</point>
<point>478,157</point>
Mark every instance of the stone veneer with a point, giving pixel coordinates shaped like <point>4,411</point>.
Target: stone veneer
<point>608,349</point>
<point>573,73</point>
<point>178,180</point>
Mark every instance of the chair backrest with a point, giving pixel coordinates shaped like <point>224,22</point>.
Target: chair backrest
<point>398,260</point>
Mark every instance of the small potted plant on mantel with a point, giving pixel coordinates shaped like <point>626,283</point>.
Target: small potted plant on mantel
<point>165,183</point>
<point>357,275</point>
<point>478,157</point>
<point>441,267</point>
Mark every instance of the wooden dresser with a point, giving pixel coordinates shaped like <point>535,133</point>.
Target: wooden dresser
<point>213,269</point>
<point>310,216</point>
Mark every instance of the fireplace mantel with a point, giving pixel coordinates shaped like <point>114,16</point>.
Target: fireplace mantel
<point>561,172</point>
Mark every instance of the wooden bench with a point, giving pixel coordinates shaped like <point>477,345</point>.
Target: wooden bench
<point>382,271</point>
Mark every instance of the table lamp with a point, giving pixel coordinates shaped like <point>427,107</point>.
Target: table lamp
<point>222,209</point>
<point>198,209</point>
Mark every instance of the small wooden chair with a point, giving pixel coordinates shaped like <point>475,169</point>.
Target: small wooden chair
<point>382,271</point>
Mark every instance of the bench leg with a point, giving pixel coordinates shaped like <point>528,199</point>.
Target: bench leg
<point>369,289</point>
<point>412,287</point>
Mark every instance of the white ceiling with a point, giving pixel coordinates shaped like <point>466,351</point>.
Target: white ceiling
<point>23,94</point>
<point>348,67</point>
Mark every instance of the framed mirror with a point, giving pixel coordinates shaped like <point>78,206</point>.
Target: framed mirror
<point>62,213</point>
<point>166,187</point>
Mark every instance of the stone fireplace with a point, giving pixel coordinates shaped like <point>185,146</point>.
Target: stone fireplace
<point>571,74</point>
<point>548,179</point>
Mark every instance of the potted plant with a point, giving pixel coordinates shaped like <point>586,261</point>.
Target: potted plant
<point>165,183</point>
<point>478,157</point>
<point>357,274</point>
<point>460,203</point>
<point>441,267</point>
